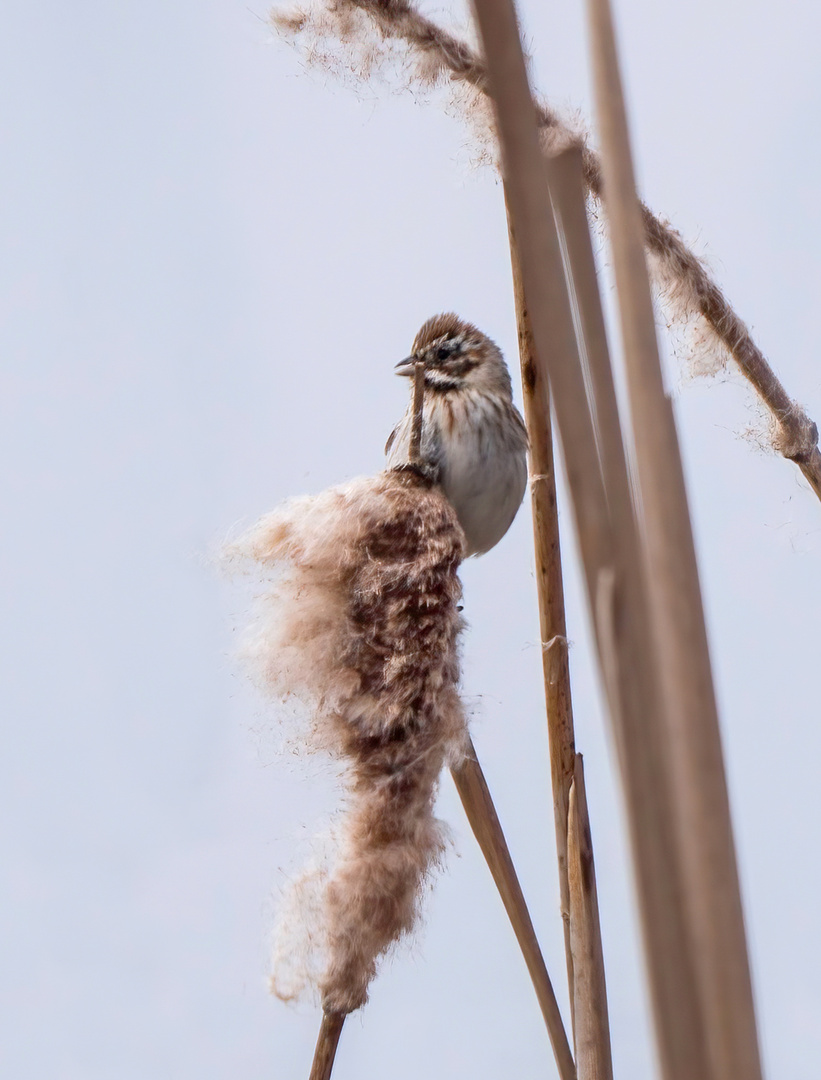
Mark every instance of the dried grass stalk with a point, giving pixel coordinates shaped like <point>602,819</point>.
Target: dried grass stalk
<point>481,813</point>
<point>415,444</point>
<point>592,1030</point>
<point>371,29</point>
<point>565,176</point>
<point>362,624</point>
<point>612,573</point>
<point>326,1044</point>
<point>550,593</point>
<point>567,191</point>
<point>705,836</point>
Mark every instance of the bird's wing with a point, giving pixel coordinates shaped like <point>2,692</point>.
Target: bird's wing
<point>391,439</point>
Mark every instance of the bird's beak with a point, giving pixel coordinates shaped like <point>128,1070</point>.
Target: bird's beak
<point>406,366</point>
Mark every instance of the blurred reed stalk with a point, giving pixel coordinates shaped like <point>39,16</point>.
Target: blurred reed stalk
<point>607,534</point>
<point>702,816</point>
<point>609,540</point>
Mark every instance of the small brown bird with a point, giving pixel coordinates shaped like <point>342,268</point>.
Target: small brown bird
<point>472,434</point>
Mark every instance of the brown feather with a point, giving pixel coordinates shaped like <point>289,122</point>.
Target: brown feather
<point>445,325</point>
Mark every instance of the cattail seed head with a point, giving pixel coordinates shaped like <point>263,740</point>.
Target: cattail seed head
<point>362,624</point>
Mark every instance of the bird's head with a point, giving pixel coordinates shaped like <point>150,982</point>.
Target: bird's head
<point>456,356</point>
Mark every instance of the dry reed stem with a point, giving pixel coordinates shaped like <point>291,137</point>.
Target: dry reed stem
<point>592,1030</point>
<point>565,180</point>
<point>481,813</point>
<point>415,445</point>
<point>567,190</point>
<point>550,592</point>
<point>326,1044</point>
<point>606,555</point>
<point>677,270</point>
<point>629,648</point>
<point>710,877</point>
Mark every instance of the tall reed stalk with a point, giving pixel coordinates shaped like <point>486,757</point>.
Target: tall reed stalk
<point>583,945</point>
<point>702,815</point>
<point>549,589</point>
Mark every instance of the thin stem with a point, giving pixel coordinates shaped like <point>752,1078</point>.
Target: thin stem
<point>414,449</point>
<point>593,1054</point>
<point>589,996</point>
<point>481,813</point>
<point>550,591</point>
<point>326,1044</point>
<point>567,191</point>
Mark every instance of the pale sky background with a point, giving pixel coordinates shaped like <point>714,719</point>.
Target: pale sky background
<point>212,262</point>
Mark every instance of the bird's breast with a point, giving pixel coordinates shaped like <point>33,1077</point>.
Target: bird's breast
<point>483,470</point>
<point>478,446</point>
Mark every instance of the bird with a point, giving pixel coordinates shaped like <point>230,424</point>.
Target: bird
<point>474,440</point>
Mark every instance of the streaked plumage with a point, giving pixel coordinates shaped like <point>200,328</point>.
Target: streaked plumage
<point>472,433</point>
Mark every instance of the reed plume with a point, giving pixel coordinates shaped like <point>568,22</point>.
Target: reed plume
<point>361,624</point>
<point>364,37</point>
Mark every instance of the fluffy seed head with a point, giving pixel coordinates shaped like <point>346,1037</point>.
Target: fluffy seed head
<point>362,625</point>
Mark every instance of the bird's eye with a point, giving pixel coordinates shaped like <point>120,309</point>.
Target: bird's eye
<point>442,353</point>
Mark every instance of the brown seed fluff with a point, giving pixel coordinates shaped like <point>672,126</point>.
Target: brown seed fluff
<point>363,625</point>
